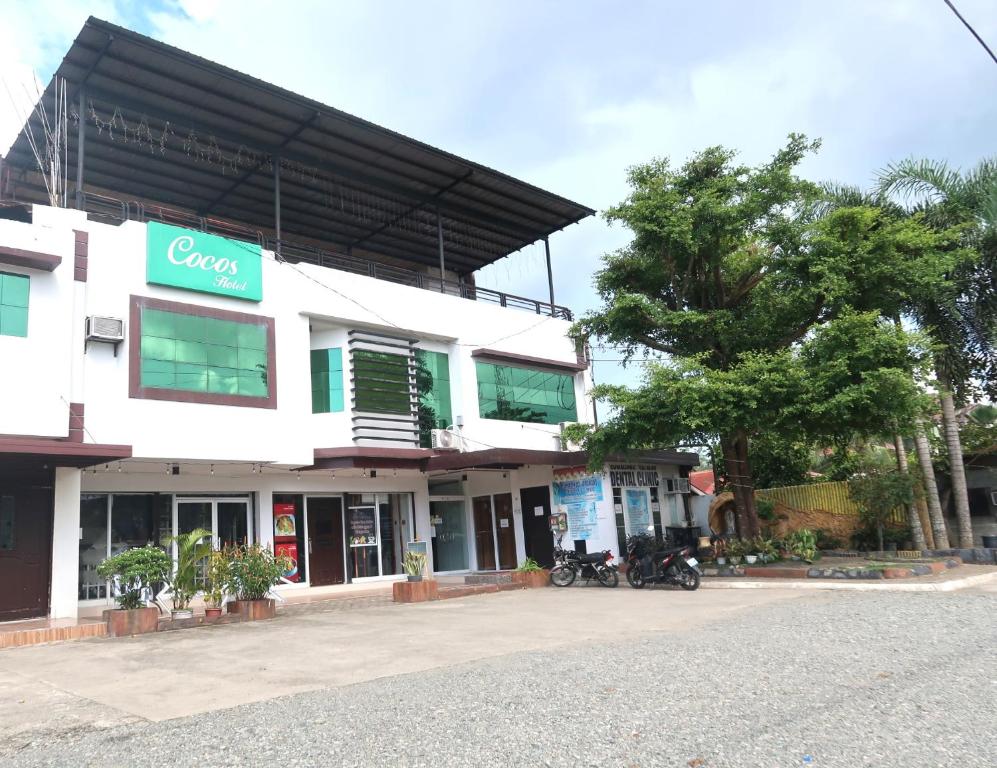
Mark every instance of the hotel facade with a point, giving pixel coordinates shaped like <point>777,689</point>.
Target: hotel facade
<point>256,314</point>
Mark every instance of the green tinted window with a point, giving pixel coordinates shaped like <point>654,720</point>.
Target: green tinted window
<point>327,380</point>
<point>433,381</point>
<point>524,394</point>
<point>203,354</point>
<point>381,381</point>
<point>14,304</point>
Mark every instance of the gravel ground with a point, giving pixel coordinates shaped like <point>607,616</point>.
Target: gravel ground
<point>893,680</point>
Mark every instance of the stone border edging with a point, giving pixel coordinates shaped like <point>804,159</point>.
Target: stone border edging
<point>812,572</point>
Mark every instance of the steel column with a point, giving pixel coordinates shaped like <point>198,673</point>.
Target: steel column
<point>439,240</point>
<point>80,142</point>
<point>276,200</point>
<point>550,275</point>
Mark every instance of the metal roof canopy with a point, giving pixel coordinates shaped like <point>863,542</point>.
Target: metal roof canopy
<point>204,137</point>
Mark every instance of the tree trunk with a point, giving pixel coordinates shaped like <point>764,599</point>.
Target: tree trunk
<point>922,515</point>
<point>735,450</point>
<point>913,521</point>
<point>930,488</point>
<point>957,470</point>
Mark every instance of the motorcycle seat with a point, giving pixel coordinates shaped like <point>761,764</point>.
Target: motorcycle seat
<point>670,551</point>
<point>591,558</point>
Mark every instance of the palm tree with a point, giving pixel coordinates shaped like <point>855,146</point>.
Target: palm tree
<point>963,320</point>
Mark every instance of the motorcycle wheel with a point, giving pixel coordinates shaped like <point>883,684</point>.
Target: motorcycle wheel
<point>689,580</point>
<point>562,576</point>
<point>634,578</point>
<point>608,577</point>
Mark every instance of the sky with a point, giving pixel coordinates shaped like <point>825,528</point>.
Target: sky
<point>568,94</point>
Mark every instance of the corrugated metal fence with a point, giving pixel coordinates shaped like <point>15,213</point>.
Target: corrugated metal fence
<point>828,497</point>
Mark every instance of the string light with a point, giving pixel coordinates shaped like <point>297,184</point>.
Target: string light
<point>212,469</point>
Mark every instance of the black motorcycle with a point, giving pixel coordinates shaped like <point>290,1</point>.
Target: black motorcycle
<point>647,564</point>
<point>569,565</point>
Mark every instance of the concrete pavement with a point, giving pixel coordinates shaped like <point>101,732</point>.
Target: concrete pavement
<point>175,674</point>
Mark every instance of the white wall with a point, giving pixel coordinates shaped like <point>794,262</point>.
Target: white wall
<point>65,544</point>
<point>294,295</point>
<point>37,368</point>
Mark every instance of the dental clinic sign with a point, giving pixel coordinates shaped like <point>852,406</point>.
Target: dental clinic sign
<point>197,261</point>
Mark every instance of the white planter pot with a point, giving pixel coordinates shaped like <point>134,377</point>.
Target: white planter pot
<point>721,561</point>
<point>751,559</point>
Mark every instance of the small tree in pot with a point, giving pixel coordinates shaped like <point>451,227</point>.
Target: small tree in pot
<point>193,549</point>
<point>253,571</point>
<point>214,588</point>
<point>134,571</point>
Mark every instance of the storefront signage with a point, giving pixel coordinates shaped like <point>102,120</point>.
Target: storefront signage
<point>638,511</point>
<point>363,527</point>
<point>577,497</point>
<point>197,261</point>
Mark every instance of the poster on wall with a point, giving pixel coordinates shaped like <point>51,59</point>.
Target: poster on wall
<point>638,510</point>
<point>559,522</point>
<point>284,524</point>
<point>363,527</point>
<point>576,495</point>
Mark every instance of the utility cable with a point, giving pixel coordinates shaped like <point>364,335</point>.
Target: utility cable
<point>971,30</point>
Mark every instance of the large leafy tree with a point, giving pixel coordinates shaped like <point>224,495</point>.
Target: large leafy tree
<point>960,314</point>
<point>752,293</point>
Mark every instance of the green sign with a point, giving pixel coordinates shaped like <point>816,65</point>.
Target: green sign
<point>197,261</point>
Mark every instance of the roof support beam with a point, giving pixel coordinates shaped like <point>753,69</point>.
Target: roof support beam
<point>439,240</point>
<point>477,219</point>
<point>413,208</point>
<point>338,136</point>
<point>276,203</point>
<point>550,273</point>
<point>81,135</point>
<point>222,195</point>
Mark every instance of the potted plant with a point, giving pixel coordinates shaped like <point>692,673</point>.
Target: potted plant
<point>214,588</point>
<point>720,551</point>
<point>414,563</point>
<point>193,548</point>
<point>766,549</point>
<point>530,574</point>
<point>735,550</point>
<point>253,570</point>
<point>133,572</point>
<point>802,545</point>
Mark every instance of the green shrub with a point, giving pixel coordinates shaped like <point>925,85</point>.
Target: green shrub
<point>530,566</point>
<point>765,509</point>
<point>826,541</point>
<point>193,548</point>
<point>136,569</point>
<point>253,571</point>
<point>803,544</point>
<point>414,563</point>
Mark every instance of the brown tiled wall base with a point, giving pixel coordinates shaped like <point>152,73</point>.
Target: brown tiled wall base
<point>24,637</point>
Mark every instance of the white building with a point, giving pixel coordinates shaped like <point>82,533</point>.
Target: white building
<point>250,333</point>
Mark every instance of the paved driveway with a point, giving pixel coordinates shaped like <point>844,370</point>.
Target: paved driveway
<point>566,677</point>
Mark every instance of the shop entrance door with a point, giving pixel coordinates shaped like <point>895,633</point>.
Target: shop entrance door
<point>326,558</point>
<point>494,532</point>
<point>25,544</point>
<point>537,538</point>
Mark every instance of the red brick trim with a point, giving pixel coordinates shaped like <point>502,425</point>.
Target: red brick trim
<point>76,428</point>
<point>80,253</point>
<point>511,358</point>
<point>18,257</point>
<point>137,391</point>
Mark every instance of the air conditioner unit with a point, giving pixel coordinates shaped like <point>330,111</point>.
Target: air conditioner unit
<point>675,484</point>
<point>570,445</point>
<point>445,440</point>
<point>110,329</point>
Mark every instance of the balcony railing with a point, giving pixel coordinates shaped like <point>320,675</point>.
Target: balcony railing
<point>105,208</point>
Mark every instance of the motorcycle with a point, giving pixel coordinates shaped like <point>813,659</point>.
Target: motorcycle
<point>674,565</point>
<point>569,565</point>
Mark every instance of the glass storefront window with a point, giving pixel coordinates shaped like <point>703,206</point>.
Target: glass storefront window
<point>511,393</point>
<point>433,383</point>
<point>449,523</point>
<point>203,354</point>
<point>327,380</point>
<point>382,382</point>
<point>140,519</point>
<point>93,545</point>
<point>377,527</point>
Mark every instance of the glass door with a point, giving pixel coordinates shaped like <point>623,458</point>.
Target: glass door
<point>449,533</point>
<point>227,519</point>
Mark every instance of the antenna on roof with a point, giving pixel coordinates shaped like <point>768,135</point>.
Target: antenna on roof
<point>51,150</point>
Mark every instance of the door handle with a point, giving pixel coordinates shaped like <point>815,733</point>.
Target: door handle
<point>309,546</point>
